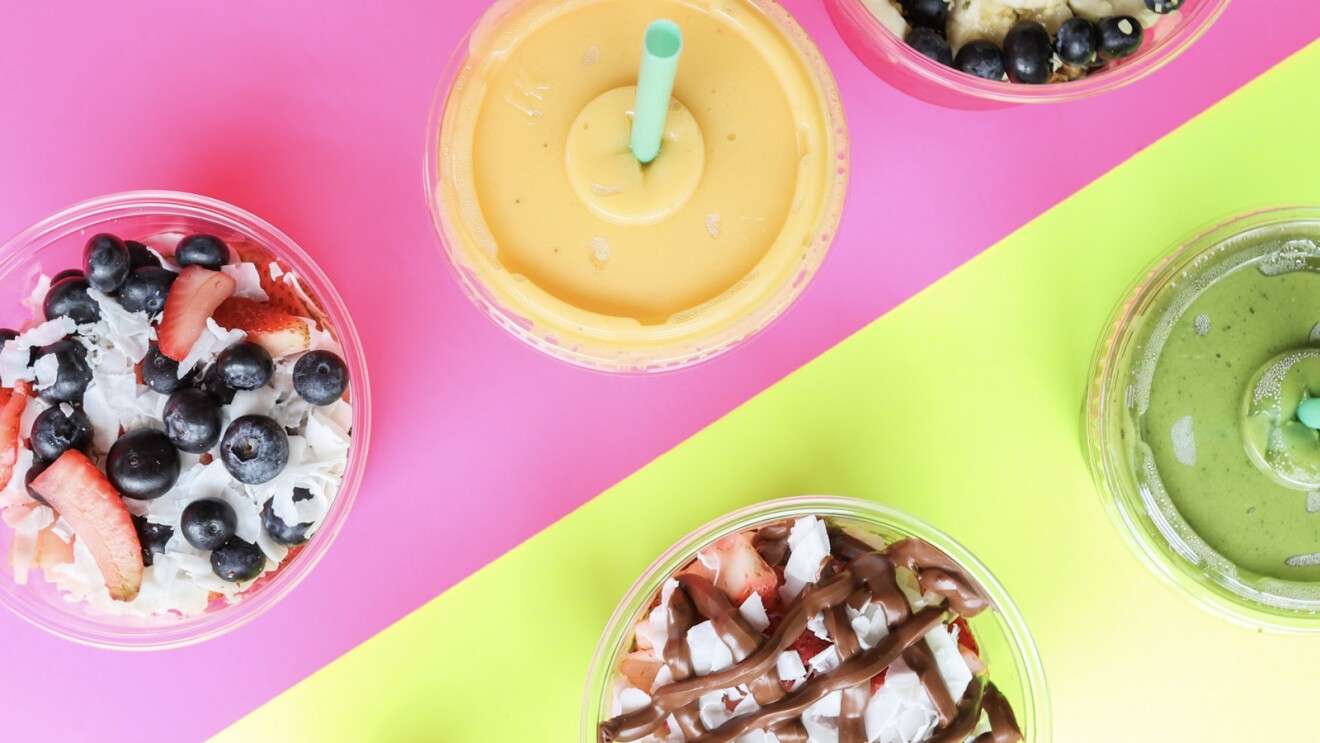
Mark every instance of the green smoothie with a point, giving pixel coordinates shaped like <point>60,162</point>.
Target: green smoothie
<point>1231,349</point>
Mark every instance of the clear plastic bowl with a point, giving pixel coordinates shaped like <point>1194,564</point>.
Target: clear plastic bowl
<point>56,243</point>
<point>1152,525</point>
<point>1006,645</point>
<point>682,343</point>
<point>898,64</point>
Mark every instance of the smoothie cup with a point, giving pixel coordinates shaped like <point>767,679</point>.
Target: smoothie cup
<point>1005,644</point>
<point>56,243</point>
<point>1192,421</point>
<point>562,238</point>
<point>898,64</point>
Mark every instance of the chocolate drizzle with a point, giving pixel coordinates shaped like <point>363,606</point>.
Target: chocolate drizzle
<point>869,577</point>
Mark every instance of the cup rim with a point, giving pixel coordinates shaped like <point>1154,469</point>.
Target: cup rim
<point>104,632</point>
<point>1198,19</point>
<point>1214,590</point>
<point>1035,712</point>
<point>663,358</point>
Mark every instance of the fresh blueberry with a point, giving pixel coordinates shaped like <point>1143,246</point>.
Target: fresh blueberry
<point>70,299</point>
<point>192,420</point>
<point>982,59</point>
<point>208,523</point>
<point>245,366</point>
<point>1077,42</point>
<point>206,251</point>
<point>1120,36</point>
<point>153,538</point>
<point>106,262</point>
<point>1164,6</point>
<point>68,273</point>
<point>139,256</point>
<point>145,289</point>
<point>142,464</point>
<point>34,471</point>
<point>237,561</point>
<point>72,374</point>
<point>214,386</point>
<point>931,43</point>
<point>254,449</point>
<point>1028,53</point>
<point>160,372</point>
<point>54,432</point>
<point>926,13</point>
<point>281,533</point>
<point>320,377</point>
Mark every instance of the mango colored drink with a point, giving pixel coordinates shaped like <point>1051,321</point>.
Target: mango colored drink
<point>594,257</point>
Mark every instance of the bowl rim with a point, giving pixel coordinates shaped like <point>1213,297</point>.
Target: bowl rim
<point>87,215</point>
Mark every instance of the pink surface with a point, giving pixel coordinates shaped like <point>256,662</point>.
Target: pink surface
<point>311,115</point>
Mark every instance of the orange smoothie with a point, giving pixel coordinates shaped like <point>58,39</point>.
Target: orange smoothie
<point>571,243</point>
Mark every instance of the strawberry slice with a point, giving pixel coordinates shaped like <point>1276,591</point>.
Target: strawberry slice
<point>878,681</point>
<point>965,638</point>
<point>10,415</point>
<point>84,498</point>
<point>640,668</point>
<point>808,645</point>
<point>278,332</point>
<point>740,571</point>
<point>193,297</point>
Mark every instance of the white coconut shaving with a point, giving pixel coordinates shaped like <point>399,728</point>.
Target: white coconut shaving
<point>900,711</point>
<point>709,653</point>
<point>17,353</point>
<point>809,545</point>
<point>247,281</point>
<point>753,610</point>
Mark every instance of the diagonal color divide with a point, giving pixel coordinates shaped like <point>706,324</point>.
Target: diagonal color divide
<point>962,406</point>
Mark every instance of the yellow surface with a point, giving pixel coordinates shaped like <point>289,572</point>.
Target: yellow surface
<point>964,407</point>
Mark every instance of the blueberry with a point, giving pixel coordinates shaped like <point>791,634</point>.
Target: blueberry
<point>320,377</point>
<point>145,289</point>
<point>142,464</point>
<point>34,471</point>
<point>982,59</point>
<point>72,373</point>
<point>70,299</point>
<point>160,372</point>
<point>208,523</point>
<point>206,251</point>
<point>932,44</point>
<point>106,262</point>
<point>7,335</point>
<point>1120,36</point>
<point>68,273</point>
<point>245,366</point>
<point>1027,53</point>
<point>1077,42</point>
<point>926,13</point>
<point>281,533</point>
<point>214,386</point>
<point>153,538</point>
<point>1164,6</point>
<point>54,433</point>
<point>237,561</point>
<point>139,256</point>
<point>254,449</point>
<point>192,420</point>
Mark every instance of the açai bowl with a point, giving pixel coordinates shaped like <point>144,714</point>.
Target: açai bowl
<point>814,620</point>
<point>567,241</point>
<point>184,416</point>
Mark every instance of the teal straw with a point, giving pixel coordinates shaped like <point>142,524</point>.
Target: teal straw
<point>661,46</point>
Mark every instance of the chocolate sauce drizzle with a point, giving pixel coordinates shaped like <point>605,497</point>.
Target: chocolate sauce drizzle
<point>868,578</point>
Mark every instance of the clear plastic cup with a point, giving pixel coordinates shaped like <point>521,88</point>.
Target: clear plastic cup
<point>1147,518</point>
<point>1006,645</point>
<point>56,243</point>
<point>687,338</point>
<point>898,64</point>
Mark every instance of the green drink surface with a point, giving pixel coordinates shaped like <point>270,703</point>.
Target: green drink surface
<point>1230,330</point>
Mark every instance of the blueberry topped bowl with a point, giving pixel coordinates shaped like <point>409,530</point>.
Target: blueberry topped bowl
<point>976,54</point>
<point>184,418</point>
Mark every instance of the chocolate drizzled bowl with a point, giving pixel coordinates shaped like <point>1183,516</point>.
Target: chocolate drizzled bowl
<point>816,619</point>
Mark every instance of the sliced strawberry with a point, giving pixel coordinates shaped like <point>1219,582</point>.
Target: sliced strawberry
<point>640,668</point>
<point>84,498</point>
<point>808,645</point>
<point>740,571</point>
<point>878,681</point>
<point>278,332</point>
<point>193,297</point>
<point>965,638</point>
<point>10,415</point>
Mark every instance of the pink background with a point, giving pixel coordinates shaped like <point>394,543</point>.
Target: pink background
<point>311,114</point>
